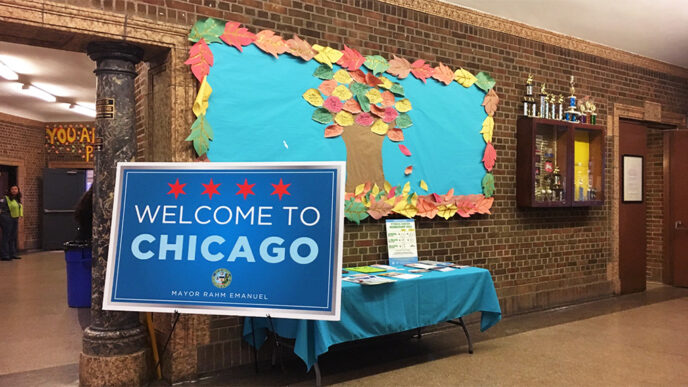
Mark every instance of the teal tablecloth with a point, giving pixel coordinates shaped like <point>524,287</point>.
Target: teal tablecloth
<point>369,311</point>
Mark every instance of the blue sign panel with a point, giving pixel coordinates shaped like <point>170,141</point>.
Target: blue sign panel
<point>249,239</point>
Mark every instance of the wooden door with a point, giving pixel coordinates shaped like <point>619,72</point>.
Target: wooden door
<point>632,221</point>
<point>677,214</point>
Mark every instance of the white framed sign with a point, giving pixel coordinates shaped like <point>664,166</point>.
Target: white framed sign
<point>401,241</point>
<point>632,185</point>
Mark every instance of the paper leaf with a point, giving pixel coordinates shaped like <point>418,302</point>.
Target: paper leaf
<point>484,81</point>
<point>300,48</point>
<point>387,186</point>
<point>483,206</point>
<point>358,76</point>
<point>379,127</point>
<point>443,74</point>
<point>270,43</point>
<point>344,118</point>
<point>385,83</point>
<point>446,210</point>
<point>488,128</point>
<point>390,115</point>
<point>342,76</point>
<point>376,64</point>
<point>355,211</point>
<point>352,106</point>
<point>209,30</point>
<point>359,189</point>
<point>351,59</point>
<point>333,131</point>
<point>421,70</point>
<point>323,72</point>
<point>404,150</point>
<point>200,59</point>
<point>464,78</point>
<point>407,188</point>
<point>408,170</point>
<point>342,92</point>
<point>201,103</point>
<point>333,104</point>
<point>378,208</point>
<point>374,96</point>
<point>363,102</point>
<point>397,89</point>
<point>395,135</point>
<point>371,80</point>
<point>399,67</point>
<point>365,119</point>
<point>388,99</point>
<point>426,208</point>
<point>403,105</point>
<point>490,102</point>
<point>322,116</point>
<point>488,185</point>
<point>489,156</point>
<point>237,36</point>
<point>376,110</point>
<point>465,208</point>
<point>406,209</point>
<point>358,88</point>
<point>423,185</point>
<point>327,87</point>
<point>201,135</point>
<point>404,121</point>
<point>326,55</point>
<point>313,97</point>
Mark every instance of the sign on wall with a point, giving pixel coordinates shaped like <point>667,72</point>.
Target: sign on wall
<point>70,139</point>
<point>248,239</point>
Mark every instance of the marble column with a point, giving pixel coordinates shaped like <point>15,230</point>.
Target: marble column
<point>114,345</point>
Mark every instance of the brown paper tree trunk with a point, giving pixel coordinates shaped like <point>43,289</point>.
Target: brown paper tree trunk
<point>363,157</point>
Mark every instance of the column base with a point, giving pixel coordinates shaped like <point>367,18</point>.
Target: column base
<point>133,369</point>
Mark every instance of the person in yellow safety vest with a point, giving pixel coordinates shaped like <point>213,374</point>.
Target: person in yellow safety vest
<point>11,210</point>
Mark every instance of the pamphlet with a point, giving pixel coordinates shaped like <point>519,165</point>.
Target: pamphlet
<point>368,279</point>
<point>365,269</point>
<point>396,274</point>
<point>423,266</point>
<point>384,267</point>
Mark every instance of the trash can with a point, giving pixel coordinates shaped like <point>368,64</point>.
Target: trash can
<point>78,258</point>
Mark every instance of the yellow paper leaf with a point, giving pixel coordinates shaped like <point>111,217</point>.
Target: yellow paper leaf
<point>376,190</point>
<point>391,201</point>
<point>414,199</point>
<point>327,55</point>
<point>342,92</point>
<point>313,97</point>
<point>386,83</point>
<point>344,118</point>
<point>407,188</point>
<point>403,105</point>
<point>342,76</point>
<point>359,189</point>
<point>201,103</point>
<point>446,210</point>
<point>488,128</point>
<point>423,185</point>
<point>388,187</point>
<point>403,207</point>
<point>365,201</point>
<point>464,78</point>
<point>374,96</point>
<point>379,127</point>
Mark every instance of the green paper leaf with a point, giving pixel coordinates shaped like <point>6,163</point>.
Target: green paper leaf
<point>363,101</point>
<point>201,134</point>
<point>376,64</point>
<point>209,29</point>
<point>488,185</point>
<point>485,81</point>
<point>324,72</point>
<point>403,121</point>
<point>397,89</point>
<point>359,88</point>
<point>322,116</point>
<point>355,211</point>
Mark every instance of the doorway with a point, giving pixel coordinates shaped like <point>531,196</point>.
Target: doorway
<point>676,213</point>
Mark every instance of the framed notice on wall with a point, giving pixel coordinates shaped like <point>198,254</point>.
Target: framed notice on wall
<point>632,175</point>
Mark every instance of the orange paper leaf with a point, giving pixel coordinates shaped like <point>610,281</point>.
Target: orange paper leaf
<point>421,70</point>
<point>408,170</point>
<point>351,59</point>
<point>490,102</point>
<point>237,36</point>
<point>483,206</point>
<point>426,207</point>
<point>378,209</point>
<point>371,80</point>
<point>395,135</point>
<point>352,106</point>
<point>404,150</point>
<point>378,111</point>
<point>273,44</point>
<point>489,156</point>
<point>399,67</point>
<point>301,48</point>
<point>388,99</point>
<point>327,87</point>
<point>465,208</point>
<point>443,74</point>
<point>333,131</point>
<point>358,76</point>
<point>200,59</point>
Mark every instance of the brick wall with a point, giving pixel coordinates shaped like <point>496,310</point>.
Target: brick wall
<point>538,257</point>
<point>654,196</point>
<point>22,142</point>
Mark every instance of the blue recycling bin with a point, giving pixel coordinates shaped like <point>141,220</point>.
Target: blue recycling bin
<point>78,258</point>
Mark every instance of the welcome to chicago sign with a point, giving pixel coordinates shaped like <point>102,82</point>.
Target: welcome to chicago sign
<point>250,239</point>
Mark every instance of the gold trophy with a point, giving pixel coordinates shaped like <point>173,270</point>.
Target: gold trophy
<point>528,98</point>
<point>544,109</point>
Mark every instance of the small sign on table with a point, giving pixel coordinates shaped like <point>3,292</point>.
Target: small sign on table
<point>401,241</point>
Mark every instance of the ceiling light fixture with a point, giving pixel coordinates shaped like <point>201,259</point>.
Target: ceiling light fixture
<point>38,93</point>
<point>82,110</point>
<point>7,73</point>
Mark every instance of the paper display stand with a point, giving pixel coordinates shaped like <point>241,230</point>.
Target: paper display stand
<point>401,241</point>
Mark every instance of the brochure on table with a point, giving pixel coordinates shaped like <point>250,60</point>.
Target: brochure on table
<point>401,241</point>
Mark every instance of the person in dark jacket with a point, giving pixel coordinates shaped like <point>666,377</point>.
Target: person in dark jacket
<point>83,214</point>
<point>11,210</point>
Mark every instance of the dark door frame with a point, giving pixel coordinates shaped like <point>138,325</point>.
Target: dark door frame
<point>667,233</point>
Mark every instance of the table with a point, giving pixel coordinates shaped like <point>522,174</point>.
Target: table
<point>369,311</point>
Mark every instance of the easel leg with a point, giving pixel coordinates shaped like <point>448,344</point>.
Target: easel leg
<point>255,351</point>
<point>318,378</point>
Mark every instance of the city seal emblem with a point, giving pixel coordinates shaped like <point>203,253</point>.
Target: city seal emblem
<point>221,278</point>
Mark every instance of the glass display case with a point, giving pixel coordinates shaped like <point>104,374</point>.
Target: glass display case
<point>588,162</point>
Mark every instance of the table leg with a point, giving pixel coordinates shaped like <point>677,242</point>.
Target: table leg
<point>255,352</point>
<point>419,333</point>
<point>318,379</point>
<point>465,331</point>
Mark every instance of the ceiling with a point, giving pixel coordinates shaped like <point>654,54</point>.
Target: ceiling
<point>657,29</point>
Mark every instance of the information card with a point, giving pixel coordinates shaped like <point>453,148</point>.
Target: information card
<point>401,241</point>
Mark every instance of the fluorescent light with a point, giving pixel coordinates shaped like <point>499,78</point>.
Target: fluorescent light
<point>7,73</point>
<point>82,110</point>
<point>38,93</point>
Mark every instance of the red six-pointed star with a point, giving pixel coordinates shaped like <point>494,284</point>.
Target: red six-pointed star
<point>280,189</point>
<point>245,189</point>
<point>176,188</point>
<point>210,189</point>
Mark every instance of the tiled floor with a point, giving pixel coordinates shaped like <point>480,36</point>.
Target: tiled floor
<point>639,339</point>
